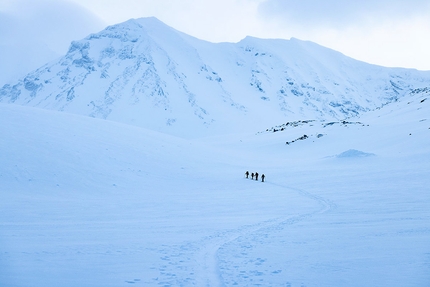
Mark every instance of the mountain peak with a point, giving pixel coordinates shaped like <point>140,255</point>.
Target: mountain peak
<point>145,73</point>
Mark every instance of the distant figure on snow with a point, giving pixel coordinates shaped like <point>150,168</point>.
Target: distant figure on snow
<point>247,173</point>
<point>262,177</point>
<point>252,175</point>
<point>256,176</point>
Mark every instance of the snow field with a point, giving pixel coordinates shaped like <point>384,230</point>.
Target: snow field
<point>88,202</point>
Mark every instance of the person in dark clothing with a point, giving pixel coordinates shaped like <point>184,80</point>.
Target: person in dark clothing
<point>256,176</point>
<point>252,175</point>
<point>262,177</point>
<point>247,173</point>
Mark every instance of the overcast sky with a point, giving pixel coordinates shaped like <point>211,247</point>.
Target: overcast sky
<point>393,33</point>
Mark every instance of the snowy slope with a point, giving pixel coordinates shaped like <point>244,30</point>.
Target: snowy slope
<point>90,202</point>
<point>147,74</point>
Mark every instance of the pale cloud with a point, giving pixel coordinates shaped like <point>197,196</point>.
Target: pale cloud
<point>33,33</point>
<point>55,23</point>
<point>332,13</point>
<point>391,43</point>
<point>220,20</point>
<point>212,20</point>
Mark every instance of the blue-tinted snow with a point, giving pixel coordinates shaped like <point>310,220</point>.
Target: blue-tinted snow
<point>90,202</point>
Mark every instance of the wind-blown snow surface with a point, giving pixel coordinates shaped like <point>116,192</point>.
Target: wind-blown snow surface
<point>89,202</point>
<point>144,73</point>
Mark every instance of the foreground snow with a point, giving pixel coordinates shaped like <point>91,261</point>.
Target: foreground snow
<point>87,202</point>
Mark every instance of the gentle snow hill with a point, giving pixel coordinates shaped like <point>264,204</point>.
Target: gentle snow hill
<point>144,73</point>
<point>397,130</point>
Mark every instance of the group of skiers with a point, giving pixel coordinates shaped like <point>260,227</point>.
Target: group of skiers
<point>255,175</point>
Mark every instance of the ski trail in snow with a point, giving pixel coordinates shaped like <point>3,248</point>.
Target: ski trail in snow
<point>201,262</point>
<point>207,258</point>
<point>326,204</point>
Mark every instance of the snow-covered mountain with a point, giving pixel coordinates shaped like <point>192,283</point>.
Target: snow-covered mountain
<point>144,73</point>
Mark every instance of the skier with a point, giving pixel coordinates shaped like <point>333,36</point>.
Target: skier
<point>252,175</point>
<point>262,177</point>
<point>247,173</point>
<point>256,176</point>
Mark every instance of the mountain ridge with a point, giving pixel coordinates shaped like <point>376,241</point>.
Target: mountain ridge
<point>145,73</point>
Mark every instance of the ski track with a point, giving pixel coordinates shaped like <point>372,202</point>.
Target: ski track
<point>197,263</point>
